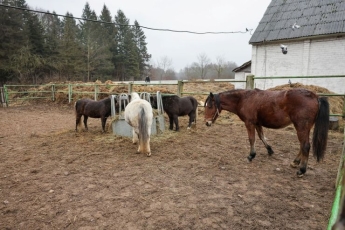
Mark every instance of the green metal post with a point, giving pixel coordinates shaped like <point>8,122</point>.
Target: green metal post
<point>335,208</point>
<point>6,95</point>
<point>339,193</point>
<point>53,92</point>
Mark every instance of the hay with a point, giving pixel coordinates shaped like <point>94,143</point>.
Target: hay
<point>336,103</point>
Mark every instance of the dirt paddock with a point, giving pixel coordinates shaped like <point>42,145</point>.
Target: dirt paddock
<point>54,178</point>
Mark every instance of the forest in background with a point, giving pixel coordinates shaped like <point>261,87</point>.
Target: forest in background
<point>38,47</point>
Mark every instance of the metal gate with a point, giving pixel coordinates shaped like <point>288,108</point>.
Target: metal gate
<point>122,128</point>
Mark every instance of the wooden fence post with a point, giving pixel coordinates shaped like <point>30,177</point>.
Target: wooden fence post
<point>96,92</point>
<point>3,97</point>
<point>179,88</point>
<point>130,87</point>
<point>69,93</point>
<point>344,108</point>
<point>250,82</point>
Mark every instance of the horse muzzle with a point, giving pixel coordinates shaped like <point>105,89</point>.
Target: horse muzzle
<point>208,123</point>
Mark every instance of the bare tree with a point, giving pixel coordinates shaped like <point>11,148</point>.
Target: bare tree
<point>219,66</point>
<point>192,71</point>
<point>164,64</point>
<point>204,65</point>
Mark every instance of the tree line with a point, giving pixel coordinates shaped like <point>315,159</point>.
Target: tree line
<point>38,47</point>
<point>42,47</point>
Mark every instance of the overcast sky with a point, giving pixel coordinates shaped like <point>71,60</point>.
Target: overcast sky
<point>186,15</point>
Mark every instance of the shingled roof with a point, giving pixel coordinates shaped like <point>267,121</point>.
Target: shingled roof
<point>315,17</point>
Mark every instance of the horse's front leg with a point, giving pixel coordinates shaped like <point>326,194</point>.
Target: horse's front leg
<point>251,135</point>
<point>171,121</point>
<point>260,132</point>
<point>85,122</point>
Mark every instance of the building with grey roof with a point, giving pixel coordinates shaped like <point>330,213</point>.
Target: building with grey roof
<point>313,32</point>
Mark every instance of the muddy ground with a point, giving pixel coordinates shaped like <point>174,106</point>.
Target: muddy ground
<point>54,178</point>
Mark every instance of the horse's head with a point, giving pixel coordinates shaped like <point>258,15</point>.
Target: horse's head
<point>212,108</point>
<point>153,101</point>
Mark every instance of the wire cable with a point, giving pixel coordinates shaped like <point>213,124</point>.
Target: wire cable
<point>145,27</point>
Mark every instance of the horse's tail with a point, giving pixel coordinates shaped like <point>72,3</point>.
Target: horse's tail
<point>143,128</point>
<point>195,107</point>
<point>76,105</point>
<point>321,129</point>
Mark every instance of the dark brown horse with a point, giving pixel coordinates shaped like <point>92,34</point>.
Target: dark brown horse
<point>94,109</point>
<point>176,106</point>
<point>276,109</point>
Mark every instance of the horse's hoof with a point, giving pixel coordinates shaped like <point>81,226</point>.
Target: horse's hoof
<point>270,151</point>
<point>148,154</point>
<point>300,174</point>
<point>188,128</point>
<point>249,159</point>
<point>294,165</point>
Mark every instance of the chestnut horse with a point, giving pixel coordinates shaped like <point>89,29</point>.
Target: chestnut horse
<point>276,109</point>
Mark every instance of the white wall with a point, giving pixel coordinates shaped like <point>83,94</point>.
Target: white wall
<point>241,76</point>
<point>304,58</point>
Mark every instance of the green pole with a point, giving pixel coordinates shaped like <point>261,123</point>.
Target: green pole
<point>6,95</point>
<point>335,208</point>
<point>53,92</point>
<point>339,188</point>
<point>69,93</point>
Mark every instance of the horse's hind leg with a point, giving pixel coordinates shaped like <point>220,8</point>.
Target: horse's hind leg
<point>135,138</point>
<point>263,139</point>
<point>77,122</point>
<point>302,157</point>
<point>171,122</point>
<point>191,119</point>
<point>85,122</point>
<point>175,118</point>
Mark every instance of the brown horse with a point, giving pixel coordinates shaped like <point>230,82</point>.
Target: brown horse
<point>94,109</point>
<point>276,109</point>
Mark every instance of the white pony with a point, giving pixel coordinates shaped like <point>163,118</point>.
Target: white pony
<point>139,115</point>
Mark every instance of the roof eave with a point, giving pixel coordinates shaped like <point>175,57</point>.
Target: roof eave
<point>314,37</point>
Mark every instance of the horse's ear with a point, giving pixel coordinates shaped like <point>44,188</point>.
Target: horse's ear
<point>211,95</point>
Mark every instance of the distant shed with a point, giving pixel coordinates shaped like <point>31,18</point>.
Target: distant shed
<point>241,73</point>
